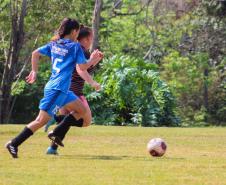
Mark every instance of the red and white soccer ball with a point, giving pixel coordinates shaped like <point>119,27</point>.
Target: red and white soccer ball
<point>156,147</point>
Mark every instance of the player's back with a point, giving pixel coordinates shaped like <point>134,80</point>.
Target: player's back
<point>64,55</point>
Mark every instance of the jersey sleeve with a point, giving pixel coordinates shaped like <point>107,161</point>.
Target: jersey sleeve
<point>45,50</point>
<point>80,57</point>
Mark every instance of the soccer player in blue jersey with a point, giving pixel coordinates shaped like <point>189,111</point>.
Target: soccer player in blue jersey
<point>85,38</point>
<point>65,53</point>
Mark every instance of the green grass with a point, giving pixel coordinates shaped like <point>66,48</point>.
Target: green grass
<point>101,155</point>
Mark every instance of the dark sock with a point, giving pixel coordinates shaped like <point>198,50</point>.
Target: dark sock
<point>59,118</point>
<point>63,127</point>
<point>78,123</point>
<point>24,135</point>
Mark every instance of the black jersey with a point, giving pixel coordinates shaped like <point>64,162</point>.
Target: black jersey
<point>77,83</point>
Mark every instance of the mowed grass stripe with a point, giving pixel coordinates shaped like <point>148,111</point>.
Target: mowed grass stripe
<point>101,155</point>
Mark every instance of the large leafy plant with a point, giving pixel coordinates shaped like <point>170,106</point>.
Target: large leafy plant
<point>133,93</point>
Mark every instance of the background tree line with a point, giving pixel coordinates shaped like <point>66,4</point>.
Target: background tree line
<point>165,59</point>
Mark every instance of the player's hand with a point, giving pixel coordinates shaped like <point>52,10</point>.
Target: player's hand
<point>96,86</point>
<point>96,56</point>
<point>101,54</point>
<point>31,78</point>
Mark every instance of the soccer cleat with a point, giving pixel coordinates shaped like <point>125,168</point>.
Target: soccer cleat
<point>12,149</point>
<point>55,139</point>
<point>51,151</point>
<point>50,122</point>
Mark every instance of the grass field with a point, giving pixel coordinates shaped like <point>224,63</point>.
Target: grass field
<point>101,155</point>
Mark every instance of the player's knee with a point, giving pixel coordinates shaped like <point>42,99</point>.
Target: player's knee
<point>87,122</point>
<point>40,121</point>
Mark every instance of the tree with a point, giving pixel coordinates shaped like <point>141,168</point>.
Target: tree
<point>96,23</point>
<point>31,23</point>
<point>17,14</point>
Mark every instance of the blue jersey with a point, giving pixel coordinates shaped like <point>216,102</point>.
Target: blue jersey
<point>64,54</point>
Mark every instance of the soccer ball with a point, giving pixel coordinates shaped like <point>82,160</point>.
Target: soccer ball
<point>156,147</point>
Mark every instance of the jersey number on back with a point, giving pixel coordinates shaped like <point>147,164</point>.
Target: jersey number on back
<point>56,60</point>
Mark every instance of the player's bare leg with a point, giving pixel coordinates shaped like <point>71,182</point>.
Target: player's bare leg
<point>52,149</point>
<point>29,130</point>
<point>76,117</point>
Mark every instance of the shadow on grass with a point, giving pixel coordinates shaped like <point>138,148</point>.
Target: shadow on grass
<point>111,157</point>
<point>102,157</point>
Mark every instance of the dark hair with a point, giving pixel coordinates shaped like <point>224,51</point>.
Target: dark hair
<point>66,26</point>
<point>84,32</point>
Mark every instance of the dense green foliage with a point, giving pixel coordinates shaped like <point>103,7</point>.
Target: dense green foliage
<point>160,67</point>
<point>133,93</point>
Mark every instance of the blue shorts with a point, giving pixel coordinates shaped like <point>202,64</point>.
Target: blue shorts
<point>53,100</point>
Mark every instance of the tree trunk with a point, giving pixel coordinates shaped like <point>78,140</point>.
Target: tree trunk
<point>180,8</point>
<point>96,24</point>
<point>10,68</point>
<point>205,92</point>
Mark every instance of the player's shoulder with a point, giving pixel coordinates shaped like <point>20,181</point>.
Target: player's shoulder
<point>77,46</point>
<point>72,44</point>
<point>50,43</point>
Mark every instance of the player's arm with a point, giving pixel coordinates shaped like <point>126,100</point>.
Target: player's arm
<point>88,78</point>
<point>34,62</point>
<point>44,50</point>
<point>95,58</point>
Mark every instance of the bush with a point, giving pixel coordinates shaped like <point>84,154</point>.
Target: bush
<point>132,93</point>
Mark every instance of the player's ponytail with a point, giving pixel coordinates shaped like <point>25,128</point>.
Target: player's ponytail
<point>67,26</point>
